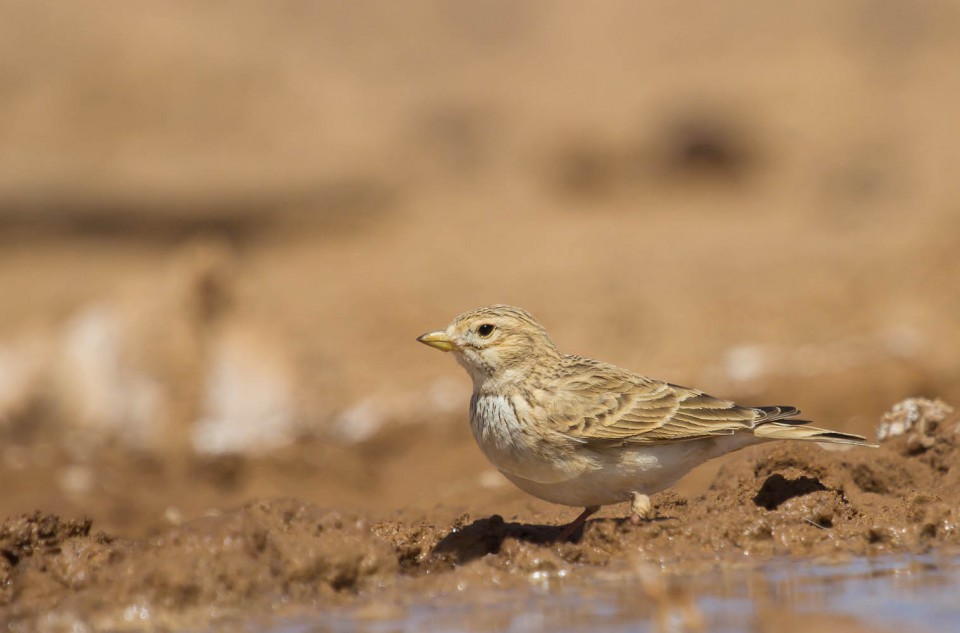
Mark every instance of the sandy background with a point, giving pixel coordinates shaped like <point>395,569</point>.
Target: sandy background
<point>223,225</point>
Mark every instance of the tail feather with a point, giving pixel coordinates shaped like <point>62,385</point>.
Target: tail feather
<point>799,430</point>
<point>779,423</point>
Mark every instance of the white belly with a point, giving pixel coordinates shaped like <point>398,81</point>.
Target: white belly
<point>643,470</point>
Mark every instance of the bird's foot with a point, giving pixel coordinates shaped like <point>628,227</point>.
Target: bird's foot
<point>641,508</point>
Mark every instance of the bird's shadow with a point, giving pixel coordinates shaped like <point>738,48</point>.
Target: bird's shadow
<point>486,536</point>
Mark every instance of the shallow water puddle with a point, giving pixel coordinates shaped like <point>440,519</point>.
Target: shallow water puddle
<point>919,592</point>
<point>862,594</point>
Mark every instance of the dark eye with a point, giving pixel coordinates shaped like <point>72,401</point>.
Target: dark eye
<point>485,330</point>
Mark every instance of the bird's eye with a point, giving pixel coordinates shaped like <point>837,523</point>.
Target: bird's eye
<point>485,330</point>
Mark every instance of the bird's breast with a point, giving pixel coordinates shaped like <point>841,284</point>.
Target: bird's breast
<point>513,443</point>
<point>496,427</point>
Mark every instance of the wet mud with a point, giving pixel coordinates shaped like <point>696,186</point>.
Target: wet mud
<point>274,558</point>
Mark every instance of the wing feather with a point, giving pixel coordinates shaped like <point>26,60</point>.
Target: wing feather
<point>604,405</point>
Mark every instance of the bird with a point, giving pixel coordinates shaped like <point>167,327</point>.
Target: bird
<point>584,433</point>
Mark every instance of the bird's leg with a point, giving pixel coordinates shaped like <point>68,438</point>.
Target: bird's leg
<point>574,525</point>
<point>640,507</point>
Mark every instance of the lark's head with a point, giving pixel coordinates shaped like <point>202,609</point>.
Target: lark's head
<point>498,342</point>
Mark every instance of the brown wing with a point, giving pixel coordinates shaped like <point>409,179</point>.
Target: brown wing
<point>604,405</point>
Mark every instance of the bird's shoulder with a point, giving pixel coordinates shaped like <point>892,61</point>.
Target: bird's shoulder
<point>579,375</point>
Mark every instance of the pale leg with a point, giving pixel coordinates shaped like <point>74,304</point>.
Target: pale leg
<point>641,508</point>
<point>574,525</point>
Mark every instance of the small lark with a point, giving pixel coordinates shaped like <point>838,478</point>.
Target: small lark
<point>584,433</point>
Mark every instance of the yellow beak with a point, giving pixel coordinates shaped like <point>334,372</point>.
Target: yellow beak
<point>438,339</point>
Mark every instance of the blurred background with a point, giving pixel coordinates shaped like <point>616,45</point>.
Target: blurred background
<point>222,225</point>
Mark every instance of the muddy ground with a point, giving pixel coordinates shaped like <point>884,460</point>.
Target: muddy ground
<point>284,557</point>
<point>221,230</point>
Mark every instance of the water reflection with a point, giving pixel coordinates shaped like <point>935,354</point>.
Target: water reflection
<point>852,595</point>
